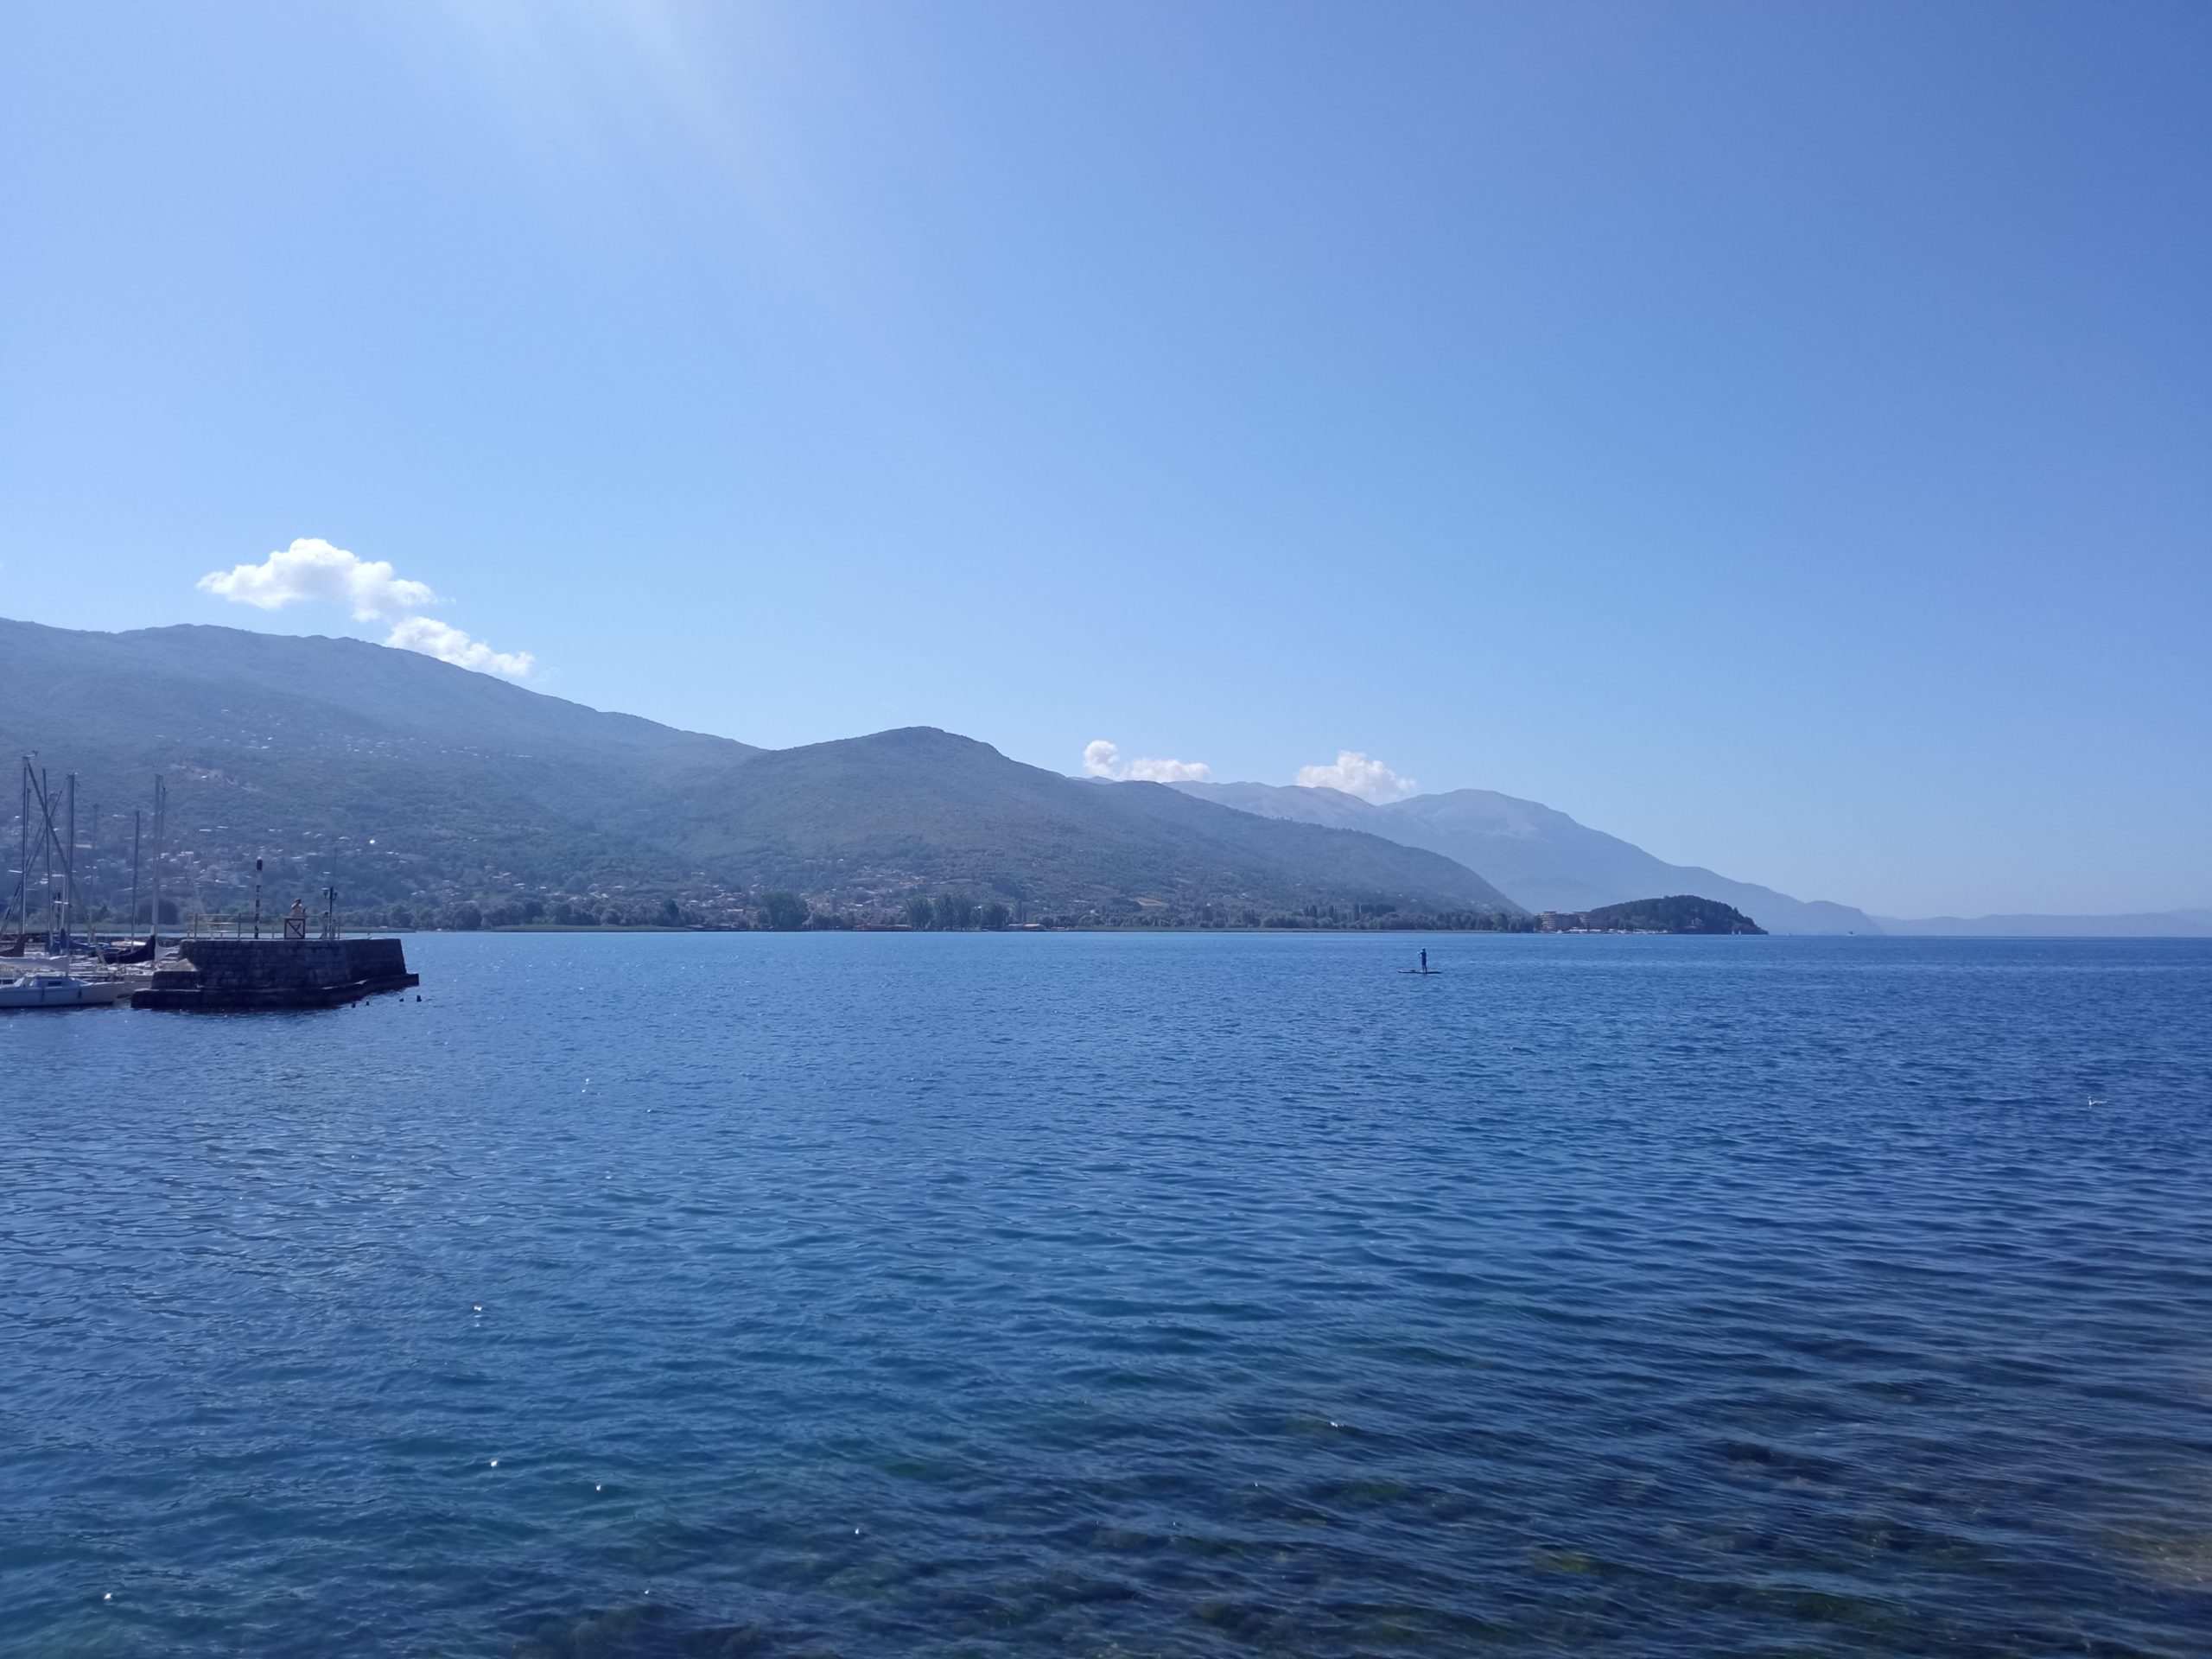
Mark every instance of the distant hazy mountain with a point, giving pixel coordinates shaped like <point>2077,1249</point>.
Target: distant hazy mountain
<point>429,783</point>
<point>1541,859</point>
<point>2142,924</point>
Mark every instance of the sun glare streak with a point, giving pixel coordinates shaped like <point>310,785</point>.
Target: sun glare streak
<point>625,107</point>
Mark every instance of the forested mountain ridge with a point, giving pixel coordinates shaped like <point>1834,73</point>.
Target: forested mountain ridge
<point>427,788</point>
<point>877,813</point>
<point>416,778</point>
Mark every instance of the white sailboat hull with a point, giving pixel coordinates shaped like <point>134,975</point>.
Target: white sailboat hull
<point>62,991</point>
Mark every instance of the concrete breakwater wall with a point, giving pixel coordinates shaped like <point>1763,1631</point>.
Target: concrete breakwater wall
<point>277,974</point>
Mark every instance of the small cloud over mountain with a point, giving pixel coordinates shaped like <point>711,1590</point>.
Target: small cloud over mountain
<point>449,645</point>
<point>1358,774</point>
<point>312,569</point>
<point>1103,759</point>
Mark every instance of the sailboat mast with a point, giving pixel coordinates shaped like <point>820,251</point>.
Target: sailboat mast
<point>69,867</point>
<point>45,846</point>
<point>135,826</point>
<point>161,824</point>
<point>23,858</point>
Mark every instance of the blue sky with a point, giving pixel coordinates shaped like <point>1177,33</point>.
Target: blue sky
<point>1779,434</point>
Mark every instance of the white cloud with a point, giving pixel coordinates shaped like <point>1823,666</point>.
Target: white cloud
<point>449,645</point>
<point>311,568</point>
<point>1103,759</point>
<point>1356,774</point>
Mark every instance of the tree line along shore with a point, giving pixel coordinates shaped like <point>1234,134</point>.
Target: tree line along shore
<point>785,912</point>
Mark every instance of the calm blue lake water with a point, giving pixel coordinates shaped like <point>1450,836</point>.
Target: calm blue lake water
<point>1122,1295</point>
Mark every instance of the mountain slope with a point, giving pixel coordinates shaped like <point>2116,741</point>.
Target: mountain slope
<point>301,746</point>
<point>431,784</point>
<point>1539,858</point>
<point>880,812</point>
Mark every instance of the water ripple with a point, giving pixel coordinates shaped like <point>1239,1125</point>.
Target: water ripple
<point>674,1296</point>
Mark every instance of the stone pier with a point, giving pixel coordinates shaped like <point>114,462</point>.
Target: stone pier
<point>277,974</point>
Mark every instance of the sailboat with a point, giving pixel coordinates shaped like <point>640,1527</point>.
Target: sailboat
<point>62,991</point>
<point>52,989</point>
<point>58,946</point>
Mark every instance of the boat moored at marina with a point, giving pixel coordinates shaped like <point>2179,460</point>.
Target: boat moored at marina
<point>62,991</point>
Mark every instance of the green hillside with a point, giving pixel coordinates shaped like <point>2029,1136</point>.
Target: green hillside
<point>1680,914</point>
<point>428,788</point>
<point>422,780</point>
<point>869,816</point>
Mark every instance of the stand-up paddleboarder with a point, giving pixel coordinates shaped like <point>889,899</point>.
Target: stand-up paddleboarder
<point>1424,961</point>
